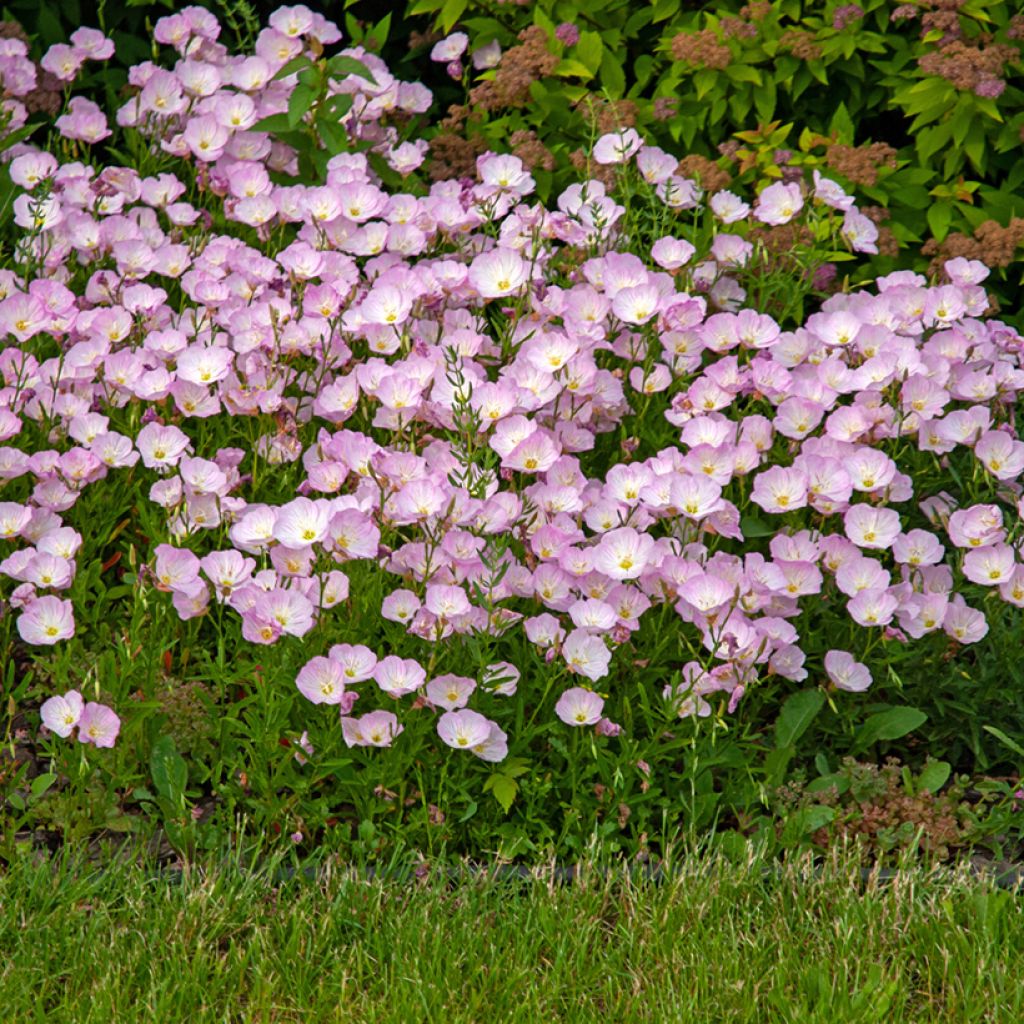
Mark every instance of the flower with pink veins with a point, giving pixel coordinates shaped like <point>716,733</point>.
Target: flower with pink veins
<point>623,553</point>
<point>399,676</point>
<point>497,273</point>
<point>61,714</point>
<point>98,725</point>
<point>579,707</point>
<point>463,729</point>
<point>374,729</point>
<point>586,654</point>
<point>871,527</point>
<point>46,621</point>
<point>846,673</point>
<point>322,681</point>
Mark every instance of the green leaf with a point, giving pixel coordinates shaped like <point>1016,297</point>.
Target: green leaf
<point>299,102</point>
<point>612,75</point>
<point>295,64</point>
<point>168,770</point>
<point>743,73</point>
<point>589,50</point>
<point>41,783</point>
<point>934,775</point>
<point>504,790</point>
<point>1004,739</point>
<point>940,216</point>
<point>842,124</point>
<point>751,527</point>
<point>342,66</point>
<point>572,68</point>
<point>889,725</point>
<point>450,13</point>
<point>796,715</point>
<point>272,123</point>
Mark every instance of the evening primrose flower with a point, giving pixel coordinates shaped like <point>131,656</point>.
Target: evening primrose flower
<point>321,681</point>
<point>374,729</point>
<point>98,725</point>
<point>579,707</point>
<point>846,673</point>
<point>463,729</point>
<point>46,621</point>
<point>61,714</point>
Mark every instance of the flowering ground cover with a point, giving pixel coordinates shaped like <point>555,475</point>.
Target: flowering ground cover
<point>365,508</point>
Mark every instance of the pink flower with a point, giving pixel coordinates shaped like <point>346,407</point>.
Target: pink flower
<point>98,725</point>
<point>846,673</point>
<point>46,621</point>
<point>870,527</point>
<point>623,554</point>
<point>991,565</point>
<point>502,678</point>
<point>399,676</point>
<point>450,691</point>
<point>497,273</point>
<point>357,662</point>
<point>463,729</point>
<point>778,203</point>
<point>780,489</point>
<point>586,654</point>
<point>374,729</point>
<point>450,48</point>
<point>61,714</point>
<point>617,147</point>
<point>321,681</point>
<point>579,707</point>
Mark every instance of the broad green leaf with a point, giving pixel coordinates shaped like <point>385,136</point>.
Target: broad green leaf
<point>41,783</point>
<point>754,527</point>
<point>589,50</point>
<point>797,713</point>
<point>612,75</point>
<point>342,66</point>
<point>295,64</point>
<point>299,103</point>
<point>451,12</point>
<point>934,775</point>
<point>889,725</point>
<point>504,790</point>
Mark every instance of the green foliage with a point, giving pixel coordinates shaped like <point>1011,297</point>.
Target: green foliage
<point>925,121</point>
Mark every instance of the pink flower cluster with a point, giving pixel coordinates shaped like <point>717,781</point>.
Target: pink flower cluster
<point>96,723</point>
<point>438,374</point>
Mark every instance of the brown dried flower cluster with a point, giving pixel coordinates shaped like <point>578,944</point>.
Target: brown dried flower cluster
<point>969,67</point>
<point>738,28</point>
<point>705,172</point>
<point>860,163</point>
<point>993,244</point>
<point>527,146</point>
<point>520,67</point>
<point>701,49</point>
<point>665,108</point>
<point>607,115</point>
<point>800,43</point>
<point>604,173</point>
<point>454,149</point>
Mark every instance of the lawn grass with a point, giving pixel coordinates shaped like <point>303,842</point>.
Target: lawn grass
<point>714,943</point>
